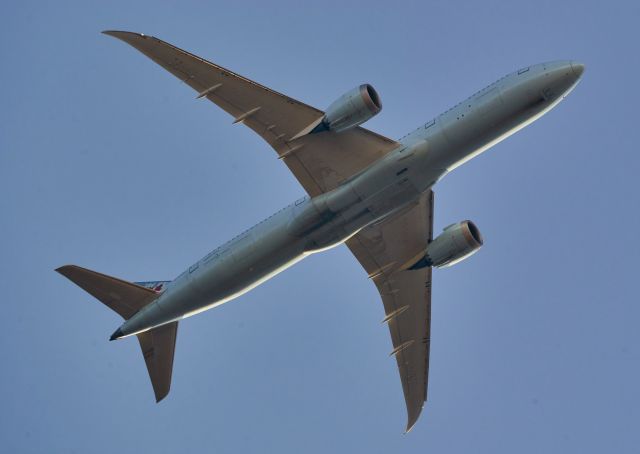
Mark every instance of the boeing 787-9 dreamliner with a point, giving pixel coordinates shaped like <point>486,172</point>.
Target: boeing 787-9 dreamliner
<point>372,193</point>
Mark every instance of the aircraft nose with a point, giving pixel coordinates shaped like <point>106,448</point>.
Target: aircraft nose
<point>577,68</point>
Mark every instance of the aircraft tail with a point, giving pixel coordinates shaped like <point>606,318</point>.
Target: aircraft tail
<point>127,298</point>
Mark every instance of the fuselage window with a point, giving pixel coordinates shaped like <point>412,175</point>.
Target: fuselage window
<point>523,70</point>
<point>431,123</point>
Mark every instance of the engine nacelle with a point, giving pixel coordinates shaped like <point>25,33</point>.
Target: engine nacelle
<point>454,244</point>
<point>351,109</point>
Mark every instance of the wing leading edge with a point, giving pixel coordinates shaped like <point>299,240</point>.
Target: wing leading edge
<point>386,251</point>
<point>319,161</point>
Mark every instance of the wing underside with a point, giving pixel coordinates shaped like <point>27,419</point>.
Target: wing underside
<point>386,251</point>
<point>319,161</point>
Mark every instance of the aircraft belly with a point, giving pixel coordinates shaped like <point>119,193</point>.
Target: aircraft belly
<point>251,264</point>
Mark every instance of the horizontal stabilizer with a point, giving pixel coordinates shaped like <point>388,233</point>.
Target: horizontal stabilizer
<point>121,296</point>
<point>158,346</point>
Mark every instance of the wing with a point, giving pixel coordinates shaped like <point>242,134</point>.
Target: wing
<point>319,161</point>
<point>387,251</point>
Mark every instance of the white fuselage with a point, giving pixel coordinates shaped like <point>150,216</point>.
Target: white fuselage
<point>388,185</point>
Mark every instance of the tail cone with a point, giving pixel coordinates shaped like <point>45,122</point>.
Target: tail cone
<point>116,335</point>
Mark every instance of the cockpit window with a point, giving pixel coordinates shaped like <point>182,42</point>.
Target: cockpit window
<point>523,70</point>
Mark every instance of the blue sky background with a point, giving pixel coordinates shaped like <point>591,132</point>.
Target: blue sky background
<point>108,162</point>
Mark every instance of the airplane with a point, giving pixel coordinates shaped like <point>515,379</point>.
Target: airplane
<point>372,193</point>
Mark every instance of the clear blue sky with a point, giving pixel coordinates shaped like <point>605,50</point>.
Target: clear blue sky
<point>108,162</point>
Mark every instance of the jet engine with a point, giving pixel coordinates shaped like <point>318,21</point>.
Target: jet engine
<point>351,109</point>
<point>454,244</point>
